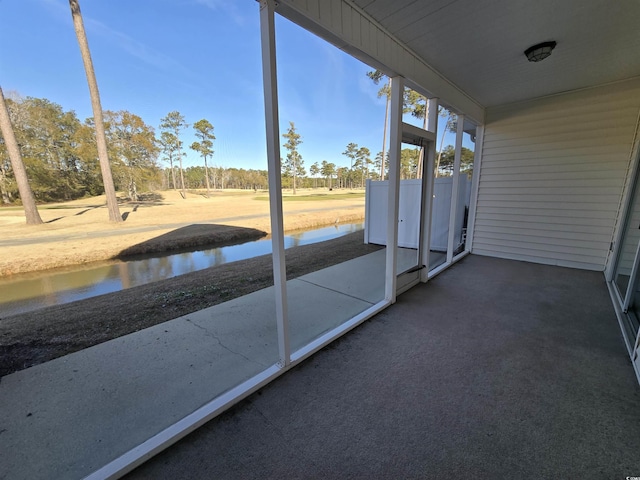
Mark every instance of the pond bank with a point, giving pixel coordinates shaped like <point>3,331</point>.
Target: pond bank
<point>34,290</point>
<point>36,337</point>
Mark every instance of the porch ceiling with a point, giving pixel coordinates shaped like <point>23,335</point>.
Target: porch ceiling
<point>479,45</point>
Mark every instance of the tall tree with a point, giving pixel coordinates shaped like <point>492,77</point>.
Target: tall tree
<point>107,178</point>
<point>380,167</point>
<point>174,123</point>
<point>449,126</point>
<point>376,76</point>
<point>293,163</point>
<point>343,177</point>
<point>363,156</point>
<point>328,170</point>
<point>26,195</point>
<point>169,147</point>
<point>448,158</point>
<point>314,170</point>
<point>204,131</point>
<point>351,152</point>
<point>133,150</point>
<point>49,143</point>
<point>409,160</point>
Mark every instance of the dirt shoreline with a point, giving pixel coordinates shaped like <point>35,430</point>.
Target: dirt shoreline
<point>32,338</point>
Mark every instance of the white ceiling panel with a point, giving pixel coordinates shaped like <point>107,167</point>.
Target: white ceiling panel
<point>479,45</point>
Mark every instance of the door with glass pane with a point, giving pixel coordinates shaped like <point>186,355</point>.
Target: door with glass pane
<point>625,275</point>
<point>413,203</point>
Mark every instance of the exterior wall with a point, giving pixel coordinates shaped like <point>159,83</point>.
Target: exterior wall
<point>552,176</point>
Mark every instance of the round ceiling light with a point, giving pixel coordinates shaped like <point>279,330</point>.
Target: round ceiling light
<point>540,51</point>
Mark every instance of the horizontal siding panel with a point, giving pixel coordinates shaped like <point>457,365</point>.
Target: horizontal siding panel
<point>495,201</point>
<point>587,171</point>
<point>539,215</point>
<point>575,224</point>
<point>565,232</point>
<point>589,101</point>
<point>615,152</point>
<point>550,146</point>
<point>546,249</point>
<point>610,114</point>
<point>552,176</point>
<point>537,240</point>
<point>546,195</point>
<point>605,135</point>
<point>606,119</point>
<point>522,254</point>
<point>557,186</point>
<point>612,111</point>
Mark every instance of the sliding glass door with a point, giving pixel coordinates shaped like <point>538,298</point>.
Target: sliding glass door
<point>625,275</point>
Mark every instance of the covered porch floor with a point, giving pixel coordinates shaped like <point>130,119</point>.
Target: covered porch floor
<point>494,369</point>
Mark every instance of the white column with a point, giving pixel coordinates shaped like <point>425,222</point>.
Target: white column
<point>427,179</point>
<point>475,181</point>
<point>455,188</point>
<point>395,139</point>
<point>268,42</point>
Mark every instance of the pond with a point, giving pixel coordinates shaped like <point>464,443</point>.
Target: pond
<point>28,292</point>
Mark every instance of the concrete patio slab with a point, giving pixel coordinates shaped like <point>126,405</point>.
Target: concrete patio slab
<point>362,277</point>
<point>495,369</point>
<point>68,417</point>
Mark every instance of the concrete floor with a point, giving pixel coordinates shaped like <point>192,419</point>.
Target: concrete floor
<point>493,369</point>
<point>68,417</point>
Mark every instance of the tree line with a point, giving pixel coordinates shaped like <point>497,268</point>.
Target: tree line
<point>60,155</point>
<point>47,154</point>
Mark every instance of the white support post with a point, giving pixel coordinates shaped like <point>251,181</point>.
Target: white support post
<point>475,182</point>
<point>428,179</point>
<point>268,42</point>
<point>455,188</point>
<point>395,139</point>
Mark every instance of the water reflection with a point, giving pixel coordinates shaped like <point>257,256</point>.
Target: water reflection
<point>27,292</point>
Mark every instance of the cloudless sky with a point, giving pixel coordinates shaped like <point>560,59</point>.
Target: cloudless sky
<point>200,57</point>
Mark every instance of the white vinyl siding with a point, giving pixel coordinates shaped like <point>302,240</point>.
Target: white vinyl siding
<point>552,176</point>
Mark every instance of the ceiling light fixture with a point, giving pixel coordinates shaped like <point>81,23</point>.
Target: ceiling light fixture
<point>540,51</point>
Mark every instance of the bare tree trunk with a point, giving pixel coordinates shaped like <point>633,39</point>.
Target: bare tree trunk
<point>206,175</point>
<point>424,127</point>
<point>26,194</point>
<point>183,193</point>
<point>6,195</point>
<point>173,173</point>
<point>384,133</point>
<point>295,167</point>
<point>444,130</point>
<point>105,168</point>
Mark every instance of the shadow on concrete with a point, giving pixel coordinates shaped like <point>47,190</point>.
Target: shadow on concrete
<point>192,237</point>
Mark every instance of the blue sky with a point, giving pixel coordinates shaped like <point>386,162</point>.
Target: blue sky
<point>200,57</point>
